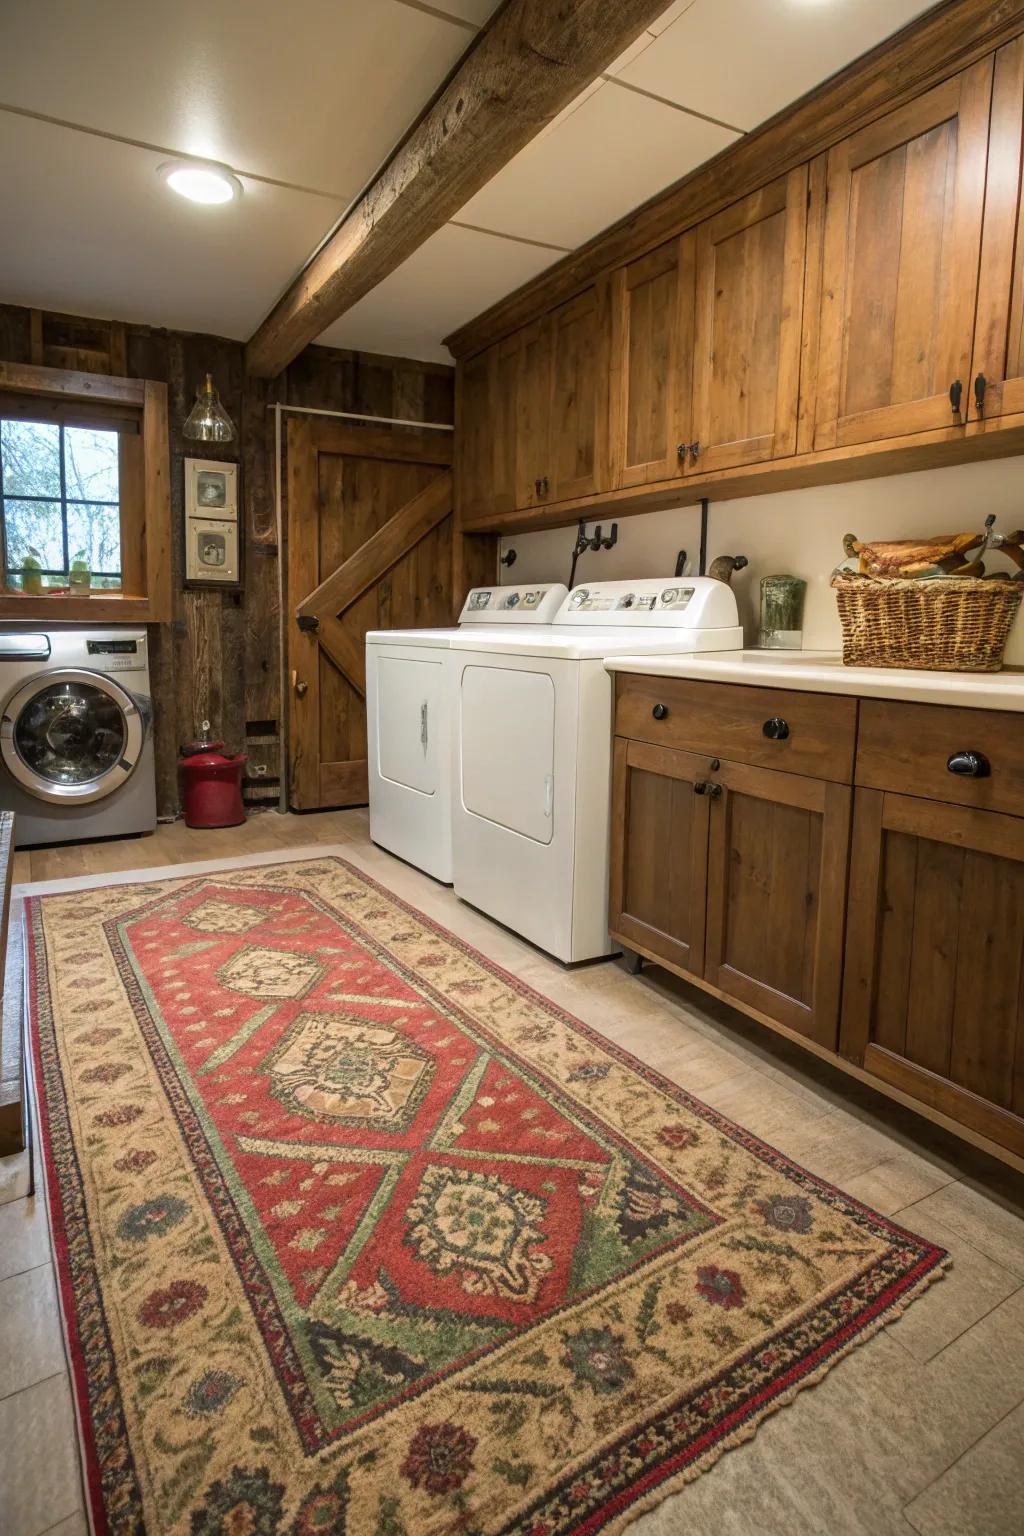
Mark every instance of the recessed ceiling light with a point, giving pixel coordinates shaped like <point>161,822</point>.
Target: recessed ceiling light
<point>201,181</point>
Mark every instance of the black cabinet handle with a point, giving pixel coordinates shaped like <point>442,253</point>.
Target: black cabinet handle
<point>980,386</point>
<point>706,787</point>
<point>969,765</point>
<point>776,729</point>
<point>541,485</point>
<point>659,711</point>
<point>956,390</point>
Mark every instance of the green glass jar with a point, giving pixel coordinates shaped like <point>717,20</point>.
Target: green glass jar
<point>782,612</point>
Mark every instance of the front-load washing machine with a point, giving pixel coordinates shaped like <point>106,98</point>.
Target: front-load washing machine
<point>76,742</point>
<point>409,720</point>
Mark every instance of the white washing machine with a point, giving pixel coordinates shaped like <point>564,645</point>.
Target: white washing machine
<point>76,741</point>
<point>409,715</point>
<point>530,819</point>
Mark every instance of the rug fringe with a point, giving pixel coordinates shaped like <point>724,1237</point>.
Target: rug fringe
<point>750,1426</point>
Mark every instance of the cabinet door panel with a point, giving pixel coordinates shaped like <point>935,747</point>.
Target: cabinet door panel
<point>659,852</point>
<point>776,889</point>
<point>999,332</point>
<point>506,370</point>
<point>933,995</point>
<point>578,424</point>
<point>746,356</point>
<point>475,481</point>
<point>900,266</point>
<point>533,415</point>
<point>652,363</point>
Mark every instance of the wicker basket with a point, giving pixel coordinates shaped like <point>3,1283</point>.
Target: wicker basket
<point>948,624</point>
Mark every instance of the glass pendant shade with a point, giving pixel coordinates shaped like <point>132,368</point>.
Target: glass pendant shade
<point>208,421</point>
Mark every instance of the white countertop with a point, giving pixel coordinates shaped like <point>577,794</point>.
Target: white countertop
<point>823,672</point>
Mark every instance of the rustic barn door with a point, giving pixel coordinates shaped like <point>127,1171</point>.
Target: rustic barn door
<point>369,547</point>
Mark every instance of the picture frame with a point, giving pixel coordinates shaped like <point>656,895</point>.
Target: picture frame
<point>213,532</point>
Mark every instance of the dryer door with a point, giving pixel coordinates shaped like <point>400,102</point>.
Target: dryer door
<point>71,737</point>
<point>507,723</point>
<point>410,697</point>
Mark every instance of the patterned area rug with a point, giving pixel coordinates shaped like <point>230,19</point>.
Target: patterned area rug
<point>358,1234</point>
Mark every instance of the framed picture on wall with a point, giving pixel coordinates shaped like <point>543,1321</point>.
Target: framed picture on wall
<point>213,531</point>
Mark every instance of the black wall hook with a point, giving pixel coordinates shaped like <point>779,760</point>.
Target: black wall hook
<point>583,543</point>
<point>509,557</point>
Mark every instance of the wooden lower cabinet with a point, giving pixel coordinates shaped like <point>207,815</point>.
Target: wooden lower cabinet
<point>659,852</point>
<point>885,929</point>
<point>735,875</point>
<point>934,984</point>
<point>776,893</point>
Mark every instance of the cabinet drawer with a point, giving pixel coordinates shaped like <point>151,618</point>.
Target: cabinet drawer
<point>906,748</point>
<point>815,732</point>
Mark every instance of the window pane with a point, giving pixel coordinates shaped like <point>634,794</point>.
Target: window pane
<point>30,451</point>
<point>33,525</point>
<point>90,464</point>
<point>94,535</point>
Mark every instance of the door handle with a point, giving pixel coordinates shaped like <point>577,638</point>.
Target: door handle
<point>549,794</point>
<point>300,687</point>
<point>424,732</point>
<point>956,390</point>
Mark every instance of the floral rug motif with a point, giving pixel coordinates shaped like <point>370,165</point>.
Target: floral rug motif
<point>358,1235</point>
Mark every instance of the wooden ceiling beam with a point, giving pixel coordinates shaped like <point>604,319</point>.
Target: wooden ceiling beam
<point>529,62</point>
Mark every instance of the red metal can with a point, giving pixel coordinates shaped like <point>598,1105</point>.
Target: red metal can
<point>211,783</point>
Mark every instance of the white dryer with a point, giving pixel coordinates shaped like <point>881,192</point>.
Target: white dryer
<point>409,720</point>
<point>76,742</point>
<point>530,820</point>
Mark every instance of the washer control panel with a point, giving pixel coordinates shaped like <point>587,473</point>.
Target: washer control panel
<point>694,602</point>
<point>116,655</point>
<point>514,605</point>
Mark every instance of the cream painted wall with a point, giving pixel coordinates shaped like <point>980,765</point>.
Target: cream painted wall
<point>799,532</point>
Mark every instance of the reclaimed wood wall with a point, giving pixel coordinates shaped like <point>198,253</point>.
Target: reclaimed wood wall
<point>219,659</point>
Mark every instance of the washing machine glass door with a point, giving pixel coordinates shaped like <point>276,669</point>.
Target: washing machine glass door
<point>71,737</point>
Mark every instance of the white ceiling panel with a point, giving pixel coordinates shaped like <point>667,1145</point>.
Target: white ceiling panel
<point>455,275</point>
<point>89,227</point>
<point>742,60</point>
<point>609,155</point>
<point>315,93</point>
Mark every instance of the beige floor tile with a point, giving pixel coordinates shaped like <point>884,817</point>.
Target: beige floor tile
<point>14,1177</point>
<point>32,1503</point>
<point>24,1236</point>
<point>992,1227</point>
<point>31,1342</point>
<point>970,1289</point>
<point>74,1525</point>
<point>983,1493</point>
<point>896,1182</point>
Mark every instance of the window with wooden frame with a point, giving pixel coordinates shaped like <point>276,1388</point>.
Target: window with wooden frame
<point>84,505</point>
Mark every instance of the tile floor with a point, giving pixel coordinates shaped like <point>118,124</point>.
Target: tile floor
<point>922,1430</point>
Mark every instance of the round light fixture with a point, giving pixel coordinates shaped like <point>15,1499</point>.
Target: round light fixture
<point>201,181</point>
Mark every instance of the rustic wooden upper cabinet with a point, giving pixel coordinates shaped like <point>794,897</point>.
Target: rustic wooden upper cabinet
<point>577,456</point>
<point>651,364</point>
<point>997,382</point>
<point>746,351</point>
<point>899,268</point>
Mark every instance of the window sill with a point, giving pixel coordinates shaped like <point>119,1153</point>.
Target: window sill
<point>61,607</point>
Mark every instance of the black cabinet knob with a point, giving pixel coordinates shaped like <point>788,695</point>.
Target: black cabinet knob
<point>776,729</point>
<point>969,765</point>
<point>701,787</point>
<point>659,711</point>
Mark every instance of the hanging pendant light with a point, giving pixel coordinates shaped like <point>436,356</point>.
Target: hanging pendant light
<point>208,421</point>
